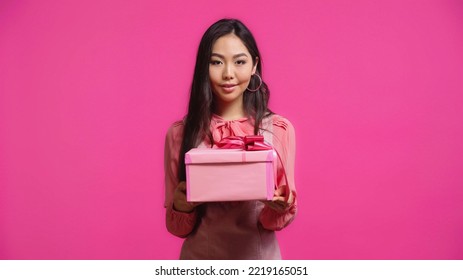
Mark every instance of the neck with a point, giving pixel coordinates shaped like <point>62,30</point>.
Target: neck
<point>230,111</point>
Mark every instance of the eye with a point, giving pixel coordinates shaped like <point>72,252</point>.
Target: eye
<point>241,62</point>
<point>215,62</point>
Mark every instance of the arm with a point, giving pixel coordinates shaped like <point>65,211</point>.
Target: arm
<point>281,211</point>
<point>180,221</point>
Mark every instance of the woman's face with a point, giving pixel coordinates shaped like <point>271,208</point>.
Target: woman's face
<point>230,69</point>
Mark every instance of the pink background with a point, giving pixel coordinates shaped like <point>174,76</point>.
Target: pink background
<point>373,88</point>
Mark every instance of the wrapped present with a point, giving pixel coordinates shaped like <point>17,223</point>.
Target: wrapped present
<point>227,174</point>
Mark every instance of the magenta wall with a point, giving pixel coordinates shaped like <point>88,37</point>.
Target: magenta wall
<point>373,88</point>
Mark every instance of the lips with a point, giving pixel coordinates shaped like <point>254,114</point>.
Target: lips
<point>228,87</point>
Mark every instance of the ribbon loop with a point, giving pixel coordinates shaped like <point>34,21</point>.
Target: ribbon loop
<point>247,143</point>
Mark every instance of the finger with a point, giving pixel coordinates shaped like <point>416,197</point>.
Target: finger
<point>290,198</point>
<point>278,198</point>
<point>271,205</point>
<point>281,200</point>
<point>287,192</point>
<point>194,204</point>
<point>279,191</point>
<point>182,186</point>
<point>180,194</point>
<point>276,206</point>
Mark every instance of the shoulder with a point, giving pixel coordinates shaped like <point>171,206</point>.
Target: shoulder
<point>281,123</point>
<point>176,126</point>
<point>175,130</point>
<point>282,131</point>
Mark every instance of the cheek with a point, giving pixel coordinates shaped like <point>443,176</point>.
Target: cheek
<point>213,76</point>
<point>245,77</point>
<point>245,74</point>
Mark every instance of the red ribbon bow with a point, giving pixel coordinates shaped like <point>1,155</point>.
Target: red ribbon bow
<point>247,143</point>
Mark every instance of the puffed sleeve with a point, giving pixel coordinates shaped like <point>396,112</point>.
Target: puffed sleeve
<point>284,142</point>
<point>177,223</point>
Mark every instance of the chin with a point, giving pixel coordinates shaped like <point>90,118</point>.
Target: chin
<point>229,97</point>
<point>226,100</point>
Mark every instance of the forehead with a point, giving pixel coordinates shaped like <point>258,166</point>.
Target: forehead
<point>229,44</point>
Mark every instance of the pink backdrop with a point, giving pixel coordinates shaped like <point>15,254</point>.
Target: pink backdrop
<point>373,88</point>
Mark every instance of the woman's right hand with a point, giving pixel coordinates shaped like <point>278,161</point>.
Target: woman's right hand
<point>180,203</point>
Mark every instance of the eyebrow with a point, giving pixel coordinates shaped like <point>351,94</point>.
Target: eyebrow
<point>235,56</point>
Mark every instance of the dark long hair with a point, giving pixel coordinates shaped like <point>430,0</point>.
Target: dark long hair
<point>201,105</point>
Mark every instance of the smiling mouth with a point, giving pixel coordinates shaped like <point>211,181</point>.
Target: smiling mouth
<point>228,88</point>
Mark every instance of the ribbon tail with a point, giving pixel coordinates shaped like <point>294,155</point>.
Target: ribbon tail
<point>259,146</point>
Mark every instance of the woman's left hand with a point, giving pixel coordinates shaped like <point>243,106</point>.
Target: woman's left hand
<point>282,199</point>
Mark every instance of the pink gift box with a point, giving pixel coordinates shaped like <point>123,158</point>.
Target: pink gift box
<point>229,174</point>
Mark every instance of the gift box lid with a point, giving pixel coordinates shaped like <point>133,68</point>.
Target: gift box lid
<point>204,155</point>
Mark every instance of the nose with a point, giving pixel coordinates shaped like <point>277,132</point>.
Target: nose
<point>228,72</point>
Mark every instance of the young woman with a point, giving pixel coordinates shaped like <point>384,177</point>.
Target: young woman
<point>228,98</point>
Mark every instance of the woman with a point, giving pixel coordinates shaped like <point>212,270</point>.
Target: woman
<point>228,98</point>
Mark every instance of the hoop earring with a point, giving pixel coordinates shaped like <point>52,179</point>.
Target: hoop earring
<point>260,84</point>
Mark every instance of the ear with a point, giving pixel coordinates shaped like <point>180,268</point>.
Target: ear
<point>254,68</point>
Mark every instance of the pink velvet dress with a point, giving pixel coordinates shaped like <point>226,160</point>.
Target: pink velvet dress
<point>231,230</point>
